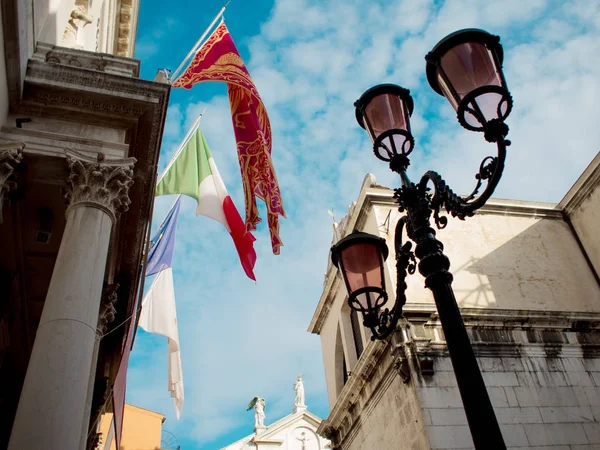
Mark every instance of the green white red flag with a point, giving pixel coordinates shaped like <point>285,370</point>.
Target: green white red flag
<point>195,174</point>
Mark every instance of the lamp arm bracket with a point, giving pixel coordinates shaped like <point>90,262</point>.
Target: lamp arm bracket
<point>490,172</point>
<point>386,321</point>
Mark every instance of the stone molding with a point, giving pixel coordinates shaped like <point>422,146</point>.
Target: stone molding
<point>53,144</point>
<point>332,286</point>
<point>99,183</point>
<point>361,375</point>
<point>127,27</point>
<point>102,97</point>
<point>11,155</point>
<point>101,62</point>
<point>108,312</point>
<point>512,333</point>
<point>584,186</point>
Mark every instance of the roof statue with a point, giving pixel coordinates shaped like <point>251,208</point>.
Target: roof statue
<point>296,431</point>
<point>299,404</point>
<point>259,404</point>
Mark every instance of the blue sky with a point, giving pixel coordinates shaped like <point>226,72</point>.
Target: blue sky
<point>310,60</point>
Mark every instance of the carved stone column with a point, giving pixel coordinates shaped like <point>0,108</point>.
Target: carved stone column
<point>52,408</point>
<point>10,156</point>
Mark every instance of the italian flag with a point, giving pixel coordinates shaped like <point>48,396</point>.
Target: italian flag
<point>195,174</point>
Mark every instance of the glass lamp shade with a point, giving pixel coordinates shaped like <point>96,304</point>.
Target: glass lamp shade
<point>466,67</point>
<point>384,111</point>
<point>360,258</point>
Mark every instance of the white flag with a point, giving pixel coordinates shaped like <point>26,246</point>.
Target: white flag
<point>159,316</point>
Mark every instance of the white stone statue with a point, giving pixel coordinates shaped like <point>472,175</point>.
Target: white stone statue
<point>299,388</point>
<point>258,403</point>
<point>303,440</point>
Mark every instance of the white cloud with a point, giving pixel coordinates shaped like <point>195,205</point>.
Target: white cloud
<point>310,62</point>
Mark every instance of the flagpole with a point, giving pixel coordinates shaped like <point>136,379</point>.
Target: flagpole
<point>198,42</point>
<point>186,139</point>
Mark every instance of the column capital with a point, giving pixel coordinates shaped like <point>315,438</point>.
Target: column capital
<point>97,182</point>
<point>11,154</point>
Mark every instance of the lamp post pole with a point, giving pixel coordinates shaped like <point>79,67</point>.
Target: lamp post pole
<point>434,265</point>
<point>465,67</point>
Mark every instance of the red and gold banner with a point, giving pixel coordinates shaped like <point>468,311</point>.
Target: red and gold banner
<point>219,60</point>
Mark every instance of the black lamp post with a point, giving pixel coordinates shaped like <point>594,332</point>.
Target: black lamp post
<point>465,67</point>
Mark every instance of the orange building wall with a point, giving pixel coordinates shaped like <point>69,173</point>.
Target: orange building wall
<point>141,429</point>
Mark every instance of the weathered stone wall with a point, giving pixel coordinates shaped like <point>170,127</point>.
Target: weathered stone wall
<point>531,303</point>
<point>392,420</point>
<point>586,221</point>
<point>541,403</point>
<point>510,255</point>
<point>378,410</point>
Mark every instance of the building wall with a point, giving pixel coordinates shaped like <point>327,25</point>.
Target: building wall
<point>390,419</point>
<point>586,221</point>
<point>531,304</point>
<point>141,430</point>
<point>513,261</point>
<point>540,403</point>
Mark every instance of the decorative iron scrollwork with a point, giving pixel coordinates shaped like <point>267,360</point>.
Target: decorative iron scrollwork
<point>383,322</point>
<point>490,171</point>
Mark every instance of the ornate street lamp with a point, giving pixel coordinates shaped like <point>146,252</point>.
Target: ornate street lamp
<point>465,67</point>
<point>360,258</point>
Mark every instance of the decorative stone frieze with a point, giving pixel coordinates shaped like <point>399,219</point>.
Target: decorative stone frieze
<point>10,156</point>
<point>126,27</point>
<point>511,333</point>
<point>100,62</point>
<point>99,183</point>
<point>108,311</point>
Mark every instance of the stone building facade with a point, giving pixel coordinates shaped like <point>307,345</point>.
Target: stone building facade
<point>526,279</point>
<point>296,431</point>
<point>80,137</point>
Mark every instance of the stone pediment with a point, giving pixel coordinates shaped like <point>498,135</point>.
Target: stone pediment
<point>297,431</point>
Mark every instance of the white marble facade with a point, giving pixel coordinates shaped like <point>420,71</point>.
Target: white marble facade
<point>297,431</point>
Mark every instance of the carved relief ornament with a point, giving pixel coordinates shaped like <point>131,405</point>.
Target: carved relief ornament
<point>108,312</point>
<point>97,182</point>
<point>11,154</point>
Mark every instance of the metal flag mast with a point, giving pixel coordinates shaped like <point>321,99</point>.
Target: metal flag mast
<point>186,139</point>
<point>198,43</point>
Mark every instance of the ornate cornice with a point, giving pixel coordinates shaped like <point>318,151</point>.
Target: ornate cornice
<point>101,62</point>
<point>513,333</point>
<point>10,156</point>
<point>583,187</point>
<point>99,183</point>
<point>127,27</point>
